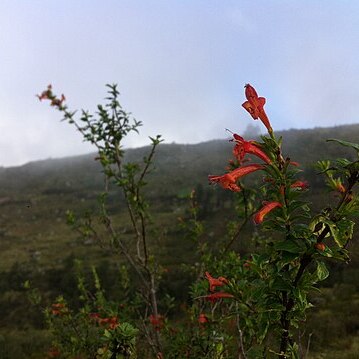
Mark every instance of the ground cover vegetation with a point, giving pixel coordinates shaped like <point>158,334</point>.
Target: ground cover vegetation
<point>172,272</point>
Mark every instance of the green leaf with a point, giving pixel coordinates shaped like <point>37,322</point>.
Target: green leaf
<point>322,271</point>
<point>342,231</point>
<point>290,246</point>
<point>345,143</point>
<point>280,284</point>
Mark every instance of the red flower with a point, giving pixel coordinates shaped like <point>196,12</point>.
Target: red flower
<point>340,187</point>
<point>53,353</point>
<point>57,102</point>
<point>300,184</point>
<point>109,322</point>
<point>320,247</point>
<point>203,319</point>
<point>254,105</point>
<point>47,94</point>
<point>94,316</point>
<point>156,321</point>
<point>268,206</point>
<point>215,282</point>
<point>228,181</point>
<point>58,309</point>
<point>247,264</point>
<point>216,296</point>
<point>242,147</point>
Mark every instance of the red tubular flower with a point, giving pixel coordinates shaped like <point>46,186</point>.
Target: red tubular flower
<point>214,297</point>
<point>215,282</point>
<point>268,206</point>
<point>228,181</point>
<point>54,101</point>
<point>47,94</point>
<point>300,184</point>
<point>203,319</point>
<point>58,309</point>
<point>254,105</point>
<point>242,147</point>
<point>340,187</point>
<point>57,102</point>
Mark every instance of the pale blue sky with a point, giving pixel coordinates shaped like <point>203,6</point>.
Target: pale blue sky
<point>180,66</point>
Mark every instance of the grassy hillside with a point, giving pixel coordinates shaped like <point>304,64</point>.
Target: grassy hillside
<point>36,242</point>
<point>34,197</point>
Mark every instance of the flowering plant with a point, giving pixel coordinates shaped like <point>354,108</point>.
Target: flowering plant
<point>244,305</point>
<point>267,292</point>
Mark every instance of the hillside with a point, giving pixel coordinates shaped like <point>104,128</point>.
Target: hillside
<point>34,197</point>
<point>37,244</point>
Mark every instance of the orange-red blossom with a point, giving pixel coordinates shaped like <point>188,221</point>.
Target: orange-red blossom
<point>48,95</point>
<point>268,207</point>
<point>215,282</point>
<point>203,319</point>
<point>320,246</point>
<point>340,187</point>
<point>216,296</point>
<point>109,322</point>
<point>254,105</point>
<point>157,321</point>
<point>242,147</point>
<point>228,180</point>
<point>58,309</point>
<point>300,184</point>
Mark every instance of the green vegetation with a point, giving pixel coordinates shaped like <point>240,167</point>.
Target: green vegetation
<point>37,245</point>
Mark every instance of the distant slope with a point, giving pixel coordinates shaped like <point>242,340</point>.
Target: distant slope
<point>188,164</point>
<point>35,196</point>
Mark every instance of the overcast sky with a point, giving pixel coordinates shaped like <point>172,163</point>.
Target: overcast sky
<point>180,66</point>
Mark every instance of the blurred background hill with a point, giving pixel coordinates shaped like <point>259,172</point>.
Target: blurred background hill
<point>36,243</point>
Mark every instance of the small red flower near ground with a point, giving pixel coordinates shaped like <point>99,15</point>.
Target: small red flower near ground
<point>242,147</point>
<point>228,180</point>
<point>58,309</point>
<point>268,207</point>
<point>203,319</point>
<point>53,353</point>
<point>215,282</point>
<point>109,322</point>
<point>214,297</point>
<point>320,247</point>
<point>254,105</point>
<point>157,321</point>
<point>246,265</point>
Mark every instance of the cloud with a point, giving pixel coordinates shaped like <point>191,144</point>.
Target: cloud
<point>180,67</point>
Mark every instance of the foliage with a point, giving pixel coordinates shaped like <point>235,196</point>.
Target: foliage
<point>267,292</point>
<point>106,131</point>
<point>245,305</point>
